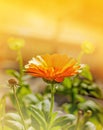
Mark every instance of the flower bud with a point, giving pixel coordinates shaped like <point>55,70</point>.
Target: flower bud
<point>87,47</point>
<point>15,43</point>
<point>12,82</point>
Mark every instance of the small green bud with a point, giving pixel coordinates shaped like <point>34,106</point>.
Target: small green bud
<point>15,43</point>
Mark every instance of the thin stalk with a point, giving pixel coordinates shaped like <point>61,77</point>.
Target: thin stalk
<point>52,98</point>
<point>78,121</point>
<point>18,107</point>
<point>80,56</point>
<point>52,104</point>
<point>72,99</point>
<point>77,124</point>
<point>20,65</point>
<point>3,111</point>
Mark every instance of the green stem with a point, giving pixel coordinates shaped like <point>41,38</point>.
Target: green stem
<point>3,102</point>
<point>19,109</point>
<point>52,98</point>
<point>80,56</point>
<point>78,120</point>
<point>20,66</point>
<point>72,99</point>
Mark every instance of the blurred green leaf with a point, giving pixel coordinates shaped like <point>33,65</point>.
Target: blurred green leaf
<point>52,118</point>
<point>79,98</point>
<point>89,126</point>
<point>99,118</point>
<point>12,116</point>
<point>67,82</point>
<point>56,128</point>
<point>35,123</point>
<point>2,106</point>
<point>14,73</point>
<point>64,120</point>
<point>22,91</point>
<point>5,128</point>
<point>30,99</point>
<point>76,81</point>
<point>89,105</point>
<point>46,108</point>
<point>38,115</point>
<point>31,128</point>
<point>46,105</point>
<point>86,73</point>
<point>14,125</point>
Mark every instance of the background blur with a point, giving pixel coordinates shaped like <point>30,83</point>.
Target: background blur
<point>52,26</point>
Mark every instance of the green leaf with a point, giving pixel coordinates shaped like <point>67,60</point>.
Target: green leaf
<point>89,126</point>
<point>14,125</point>
<point>38,115</point>
<point>86,73</point>
<point>64,120</point>
<point>30,99</point>
<point>51,119</point>
<point>76,81</point>
<point>39,96</point>
<point>12,116</point>
<point>67,82</point>
<point>89,105</point>
<point>31,128</point>
<point>46,108</point>
<point>5,128</point>
<point>34,123</point>
<point>46,105</point>
<point>97,110</point>
<point>96,94</point>
<point>13,73</point>
<point>79,98</point>
<point>84,86</point>
<point>22,91</point>
<point>83,92</point>
<point>95,90</point>
<point>99,117</point>
<point>2,106</point>
<point>56,128</point>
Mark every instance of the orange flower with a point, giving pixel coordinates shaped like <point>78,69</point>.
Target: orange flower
<point>53,67</point>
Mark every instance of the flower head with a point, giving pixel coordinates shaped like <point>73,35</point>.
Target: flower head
<point>15,43</point>
<point>87,47</point>
<point>53,67</point>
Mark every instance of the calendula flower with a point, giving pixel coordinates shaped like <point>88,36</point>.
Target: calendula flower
<point>15,43</point>
<point>53,67</point>
<point>87,47</point>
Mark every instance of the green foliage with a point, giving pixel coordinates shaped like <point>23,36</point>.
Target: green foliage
<point>40,119</point>
<point>86,73</point>
<point>13,73</point>
<point>82,84</point>
<point>97,111</point>
<point>13,121</point>
<point>22,88</point>
<point>76,90</point>
<point>89,126</point>
<point>34,110</point>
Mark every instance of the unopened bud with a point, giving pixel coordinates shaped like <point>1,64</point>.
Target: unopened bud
<point>15,43</point>
<point>88,47</point>
<point>89,112</point>
<point>80,112</point>
<point>12,82</point>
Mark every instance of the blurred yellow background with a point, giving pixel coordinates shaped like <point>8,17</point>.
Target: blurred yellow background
<point>52,26</point>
